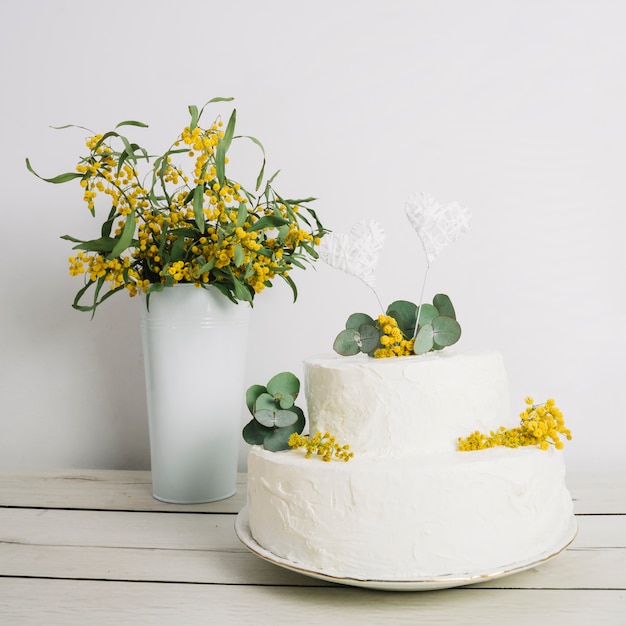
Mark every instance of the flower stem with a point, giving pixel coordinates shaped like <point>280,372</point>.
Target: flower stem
<point>421,300</point>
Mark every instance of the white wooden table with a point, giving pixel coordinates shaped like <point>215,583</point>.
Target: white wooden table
<point>93,547</point>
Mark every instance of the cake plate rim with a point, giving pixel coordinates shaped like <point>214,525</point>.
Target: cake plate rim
<point>429,583</point>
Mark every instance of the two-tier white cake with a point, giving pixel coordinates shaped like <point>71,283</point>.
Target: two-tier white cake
<point>409,506</point>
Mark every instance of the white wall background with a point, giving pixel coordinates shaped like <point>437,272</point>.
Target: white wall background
<point>516,109</point>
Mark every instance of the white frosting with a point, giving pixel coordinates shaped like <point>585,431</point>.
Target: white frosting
<point>420,404</point>
<point>397,519</point>
<point>408,505</point>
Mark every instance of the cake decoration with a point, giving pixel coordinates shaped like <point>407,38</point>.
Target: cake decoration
<point>541,425</point>
<point>277,423</point>
<point>436,225</point>
<point>356,253</point>
<point>404,328</point>
<point>275,417</point>
<point>322,445</point>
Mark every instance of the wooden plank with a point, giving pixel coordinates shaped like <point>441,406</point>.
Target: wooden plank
<point>598,493</point>
<point>574,569</point>
<point>119,545</point>
<point>197,531</point>
<point>131,490</point>
<point>76,603</point>
<point>99,489</point>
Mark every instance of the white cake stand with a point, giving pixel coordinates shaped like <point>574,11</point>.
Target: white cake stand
<point>242,529</point>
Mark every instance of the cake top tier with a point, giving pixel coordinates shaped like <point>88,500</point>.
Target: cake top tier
<point>418,404</point>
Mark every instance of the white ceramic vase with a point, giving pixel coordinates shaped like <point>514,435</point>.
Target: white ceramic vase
<point>194,343</point>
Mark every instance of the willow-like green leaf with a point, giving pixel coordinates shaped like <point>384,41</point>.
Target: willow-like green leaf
<point>61,178</point>
<point>198,198</point>
<point>102,244</point>
<point>292,285</point>
<point>259,178</point>
<point>240,290</point>
<point>126,237</point>
<point>195,116</point>
<point>242,214</point>
<point>222,148</point>
<point>268,221</point>
<point>207,267</point>
<point>132,123</point>
<point>239,255</point>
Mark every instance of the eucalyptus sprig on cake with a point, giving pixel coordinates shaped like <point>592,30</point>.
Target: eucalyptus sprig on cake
<point>403,328</point>
<point>394,332</point>
<point>275,416</point>
<point>277,423</point>
<point>179,218</point>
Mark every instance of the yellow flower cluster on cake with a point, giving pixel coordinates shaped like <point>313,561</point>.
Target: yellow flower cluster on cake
<point>392,340</point>
<point>324,446</point>
<point>178,218</point>
<point>540,425</point>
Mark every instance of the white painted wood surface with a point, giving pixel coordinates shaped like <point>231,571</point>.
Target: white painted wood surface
<point>93,547</point>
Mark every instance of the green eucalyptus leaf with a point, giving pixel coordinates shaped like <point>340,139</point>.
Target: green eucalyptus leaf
<point>426,314</point>
<point>299,424</point>
<point>424,340</point>
<point>405,309</point>
<point>278,439</point>
<point>273,419</point>
<point>370,337</point>
<point>285,400</point>
<point>443,304</point>
<point>446,330</point>
<point>265,402</point>
<point>356,320</point>
<point>347,342</point>
<point>284,383</point>
<point>255,433</point>
<point>252,394</point>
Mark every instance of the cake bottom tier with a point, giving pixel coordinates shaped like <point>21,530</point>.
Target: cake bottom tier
<point>404,518</point>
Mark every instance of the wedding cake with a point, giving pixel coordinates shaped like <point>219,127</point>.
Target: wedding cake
<point>408,505</point>
<point>443,485</point>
